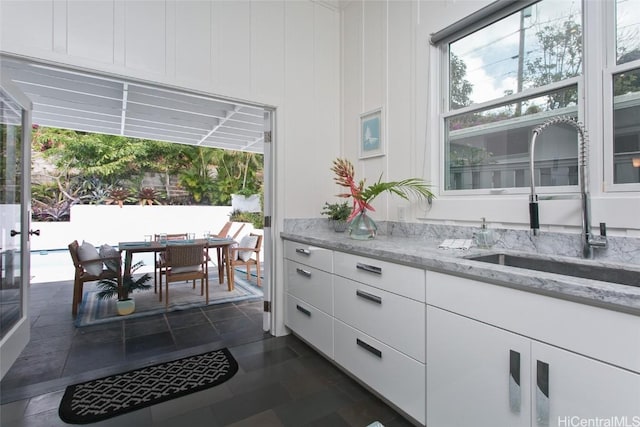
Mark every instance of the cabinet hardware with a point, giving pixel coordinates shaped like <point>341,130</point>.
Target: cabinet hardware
<point>302,272</point>
<point>514,381</point>
<point>303,251</point>
<point>36,232</point>
<point>368,296</point>
<point>14,233</point>
<point>369,348</point>
<point>303,310</point>
<point>370,268</point>
<point>542,393</point>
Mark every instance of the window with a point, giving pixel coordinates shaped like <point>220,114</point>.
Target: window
<point>502,81</point>
<point>625,84</point>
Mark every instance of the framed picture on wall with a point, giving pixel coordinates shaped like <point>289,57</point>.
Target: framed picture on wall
<point>371,134</point>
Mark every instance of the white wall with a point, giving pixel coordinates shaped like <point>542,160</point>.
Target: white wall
<point>386,61</point>
<point>99,224</point>
<point>276,53</point>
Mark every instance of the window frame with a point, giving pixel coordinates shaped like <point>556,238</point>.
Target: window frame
<point>445,112</point>
<point>609,69</point>
<point>594,83</point>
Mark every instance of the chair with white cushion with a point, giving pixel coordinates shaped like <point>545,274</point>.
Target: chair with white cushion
<point>91,265</point>
<point>247,253</point>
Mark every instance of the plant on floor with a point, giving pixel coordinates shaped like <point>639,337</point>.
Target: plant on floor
<point>109,287</point>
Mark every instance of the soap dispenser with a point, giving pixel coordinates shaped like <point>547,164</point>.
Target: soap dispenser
<point>484,237</point>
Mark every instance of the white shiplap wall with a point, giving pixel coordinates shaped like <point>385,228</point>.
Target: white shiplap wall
<point>278,53</point>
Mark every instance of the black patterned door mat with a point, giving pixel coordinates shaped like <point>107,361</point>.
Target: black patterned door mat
<point>107,397</point>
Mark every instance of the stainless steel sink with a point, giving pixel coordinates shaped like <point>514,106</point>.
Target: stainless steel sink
<point>567,268</point>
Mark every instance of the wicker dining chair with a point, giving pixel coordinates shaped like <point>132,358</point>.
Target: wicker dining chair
<point>158,258</point>
<point>184,262</point>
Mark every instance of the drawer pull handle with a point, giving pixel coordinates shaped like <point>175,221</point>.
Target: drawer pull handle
<point>514,382</point>
<point>370,268</point>
<point>370,297</point>
<point>303,251</point>
<point>542,393</point>
<point>369,348</point>
<point>303,310</point>
<point>302,272</point>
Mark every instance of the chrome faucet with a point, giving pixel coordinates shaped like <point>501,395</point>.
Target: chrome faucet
<point>588,240</point>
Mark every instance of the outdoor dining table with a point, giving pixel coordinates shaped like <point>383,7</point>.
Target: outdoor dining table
<point>131,248</point>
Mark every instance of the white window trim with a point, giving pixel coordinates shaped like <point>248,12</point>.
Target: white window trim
<point>609,185</point>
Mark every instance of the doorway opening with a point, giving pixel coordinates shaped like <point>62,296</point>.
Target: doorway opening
<point>96,103</point>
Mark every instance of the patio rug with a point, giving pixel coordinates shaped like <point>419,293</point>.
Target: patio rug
<point>118,394</point>
<point>182,296</point>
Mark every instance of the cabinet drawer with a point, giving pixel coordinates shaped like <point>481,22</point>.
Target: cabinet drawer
<point>399,279</point>
<point>398,378</point>
<point>395,320</point>
<point>320,258</point>
<point>310,324</point>
<point>584,329</point>
<point>310,285</point>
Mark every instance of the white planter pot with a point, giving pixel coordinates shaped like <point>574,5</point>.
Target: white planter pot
<point>125,307</point>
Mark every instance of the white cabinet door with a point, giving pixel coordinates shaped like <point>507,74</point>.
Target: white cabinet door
<point>310,285</point>
<point>477,375</point>
<point>572,390</point>
<point>394,375</point>
<point>312,325</point>
<point>393,319</point>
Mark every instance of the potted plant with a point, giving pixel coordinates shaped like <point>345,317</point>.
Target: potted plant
<point>338,214</point>
<point>361,226</point>
<point>109,289</point>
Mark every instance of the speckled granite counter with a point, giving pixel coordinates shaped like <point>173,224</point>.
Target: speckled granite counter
<point>420,249</point>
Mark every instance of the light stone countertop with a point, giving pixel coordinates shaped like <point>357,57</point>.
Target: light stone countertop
<point>421,250</point>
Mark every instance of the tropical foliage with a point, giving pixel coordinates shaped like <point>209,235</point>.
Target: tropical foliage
<point>108,288</point>
<point>108,169</point>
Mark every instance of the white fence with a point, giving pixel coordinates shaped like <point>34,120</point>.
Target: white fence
<point>112,224</point>
<point>50,260</point>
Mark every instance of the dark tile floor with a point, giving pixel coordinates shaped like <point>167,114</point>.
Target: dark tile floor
<point>281,381</point>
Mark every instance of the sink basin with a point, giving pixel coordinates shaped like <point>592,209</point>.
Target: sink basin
<point>567,268</point>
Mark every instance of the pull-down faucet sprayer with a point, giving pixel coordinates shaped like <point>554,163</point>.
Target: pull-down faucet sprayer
<point>588,241</point>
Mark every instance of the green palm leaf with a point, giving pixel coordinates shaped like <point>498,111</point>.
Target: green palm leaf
<point>406,188</point>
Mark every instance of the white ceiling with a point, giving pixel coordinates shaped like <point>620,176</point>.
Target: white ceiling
<point>85,102</point>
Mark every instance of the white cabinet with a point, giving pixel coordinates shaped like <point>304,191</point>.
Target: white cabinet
<point>474,377</point>
<point>453,351</point>
<point>394,375</point>
<point>311,324</point>
<point>379,328</point>
<point>367,315</point>
<point>393,319</point>
<point>473,366</point>
<point>401,279</point>
<point>581,387</point>
<point>309,299</point>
